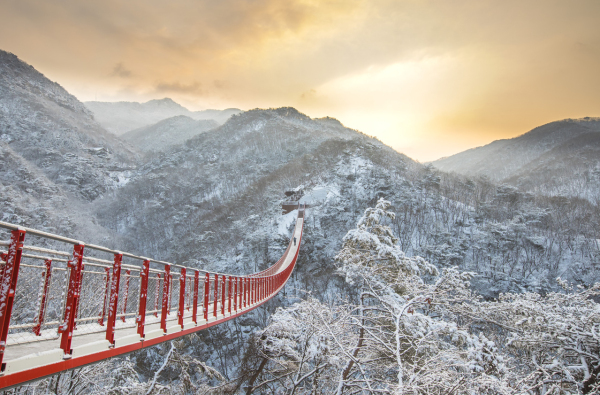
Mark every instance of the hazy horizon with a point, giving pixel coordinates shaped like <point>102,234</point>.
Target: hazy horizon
<point>430,79</point>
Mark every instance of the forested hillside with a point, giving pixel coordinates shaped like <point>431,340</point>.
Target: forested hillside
<point>557,159</point>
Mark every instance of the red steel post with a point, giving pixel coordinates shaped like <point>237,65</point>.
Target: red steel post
<point>206,294</point>
<point>216,300</point>
<point>223,282</point>
<point>126,294</point>
<point>235,293</point>
<point>170,293</point>
<point>181,307</point>
<point>8,284</point>
<point>37,329</point>
<point>239,293</point>
<point>68,325</point>
<point>230,296</point>
<point>165,299</point>
<point>195,299</point>
<point>157,294</point>
<point>106,294</point>
<point>242,293</point>
<point>245,292</point>
<point>113,302</point>
<point>141,318</point>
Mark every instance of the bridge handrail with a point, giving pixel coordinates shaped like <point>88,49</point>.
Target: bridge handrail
<point>85,281</point>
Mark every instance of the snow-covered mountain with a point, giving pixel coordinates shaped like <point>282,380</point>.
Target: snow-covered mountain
<point>167,133</point>
<point>214,201</point>
<point>122,117</point>
<point>52,138</point>
<point>559,158</point>
<point>220,179</point>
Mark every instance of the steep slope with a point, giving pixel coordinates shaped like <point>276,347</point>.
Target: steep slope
<point>569,169</point>
<point>167,133</point>
<point>203,191</point>
<point>122,117</point>
<point>54,133</point>
<point>568,149</point>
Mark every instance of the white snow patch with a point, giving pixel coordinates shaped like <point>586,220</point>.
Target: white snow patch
<point>123,179</point>
<point>318,195</point>
<point>285,222</point>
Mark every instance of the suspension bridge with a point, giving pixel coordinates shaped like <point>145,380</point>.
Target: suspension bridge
<point>65,304</point>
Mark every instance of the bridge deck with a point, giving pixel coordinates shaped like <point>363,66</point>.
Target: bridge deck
<point>29,356</point>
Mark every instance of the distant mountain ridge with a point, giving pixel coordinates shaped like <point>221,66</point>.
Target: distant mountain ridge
<point>167,133</point>
<point>561,157</point>
<point>122,117</point>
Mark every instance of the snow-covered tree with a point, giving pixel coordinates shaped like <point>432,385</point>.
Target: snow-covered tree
<point>414,330</point>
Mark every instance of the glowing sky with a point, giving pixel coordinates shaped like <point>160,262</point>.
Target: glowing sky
<point>429,78</point>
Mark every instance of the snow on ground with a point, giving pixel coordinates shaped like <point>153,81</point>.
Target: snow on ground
<point>285,222</point>
<point>319,195</point>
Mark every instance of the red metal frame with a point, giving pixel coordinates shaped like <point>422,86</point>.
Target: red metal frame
<point>223,282</point>
<point>68,326</point>
<point>144,277</point>
<point>181,307</point>
<point>245,294</point>
<point>22,377</point>
<point>252,293</point>
<point>113,302</point>
<point>206,294</point>
<point>216,296</point>
<point>170,294</point>
<point>37,329</point>
<point>229,296</point>
<point>8,285</point>
<point>235,293</point>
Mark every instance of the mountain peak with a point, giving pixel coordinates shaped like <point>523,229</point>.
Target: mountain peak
<point>165,102</point>
<point>330,121</point>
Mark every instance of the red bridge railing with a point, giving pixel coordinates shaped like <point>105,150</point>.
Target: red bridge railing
<point>63,309</point>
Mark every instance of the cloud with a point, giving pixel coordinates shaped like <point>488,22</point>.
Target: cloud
<point>473,66</point>
<point>121,71</point>
<point>308,95</point>
<point>194,88</point>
